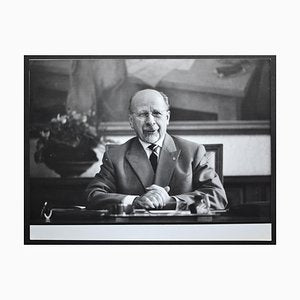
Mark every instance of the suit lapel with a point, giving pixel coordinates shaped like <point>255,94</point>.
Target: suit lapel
<point>140,163</point>
<point>167,162</point>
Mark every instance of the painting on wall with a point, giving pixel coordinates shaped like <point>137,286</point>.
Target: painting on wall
<point>215,93</point>
<point>199,89</point>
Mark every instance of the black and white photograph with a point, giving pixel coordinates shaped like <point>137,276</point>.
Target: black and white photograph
<point>150,149</point>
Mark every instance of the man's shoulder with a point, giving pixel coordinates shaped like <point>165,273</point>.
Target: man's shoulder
<point>117,149</point>
<point>184,143</point>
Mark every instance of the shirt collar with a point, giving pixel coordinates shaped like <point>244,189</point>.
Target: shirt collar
<point>146,145</point>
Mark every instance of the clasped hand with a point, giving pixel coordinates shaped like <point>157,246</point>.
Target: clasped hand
<point>156,197</point>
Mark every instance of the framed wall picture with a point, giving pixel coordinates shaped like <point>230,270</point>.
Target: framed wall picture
<point>75,106</point>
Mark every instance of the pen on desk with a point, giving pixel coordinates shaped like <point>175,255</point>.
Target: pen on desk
<point>43,209</point>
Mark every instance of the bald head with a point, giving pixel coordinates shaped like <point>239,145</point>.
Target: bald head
<point>146,96</point>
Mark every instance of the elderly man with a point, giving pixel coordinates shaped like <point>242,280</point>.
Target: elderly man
<point>155,170</point>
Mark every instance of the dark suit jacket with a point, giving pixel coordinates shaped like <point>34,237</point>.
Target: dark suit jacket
<point>182,165</point>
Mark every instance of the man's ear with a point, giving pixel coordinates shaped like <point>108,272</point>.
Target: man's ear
<point>130,121</point>
<point>168,117</point>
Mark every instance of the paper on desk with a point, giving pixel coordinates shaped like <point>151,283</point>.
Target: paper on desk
<point>151,71</point>
<point>169,212</point>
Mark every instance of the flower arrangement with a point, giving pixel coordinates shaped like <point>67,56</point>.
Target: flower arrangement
<point>68,137</point>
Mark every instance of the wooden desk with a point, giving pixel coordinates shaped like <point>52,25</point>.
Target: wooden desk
<point>63,216</point>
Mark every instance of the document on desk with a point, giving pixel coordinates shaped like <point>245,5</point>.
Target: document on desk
<point>163,212</point>
<point>184,212</point>
<point>168,212</point>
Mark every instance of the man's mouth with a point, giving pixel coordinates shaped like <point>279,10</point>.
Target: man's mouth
<point>150,131</point>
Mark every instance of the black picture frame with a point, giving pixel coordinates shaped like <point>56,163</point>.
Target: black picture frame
<point>206,128</point>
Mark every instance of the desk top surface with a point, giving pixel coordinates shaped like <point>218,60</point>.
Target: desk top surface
<point>82,216</point>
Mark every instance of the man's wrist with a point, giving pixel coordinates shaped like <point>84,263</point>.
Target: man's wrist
<point>128,200</point>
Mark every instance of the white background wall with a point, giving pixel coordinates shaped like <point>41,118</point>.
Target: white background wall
<point>145,271</point>
<point>242,154</point>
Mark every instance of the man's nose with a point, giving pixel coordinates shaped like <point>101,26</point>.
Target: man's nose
<point>150,119</point>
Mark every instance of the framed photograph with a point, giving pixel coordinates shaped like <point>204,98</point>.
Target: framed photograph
<point>80,109</point>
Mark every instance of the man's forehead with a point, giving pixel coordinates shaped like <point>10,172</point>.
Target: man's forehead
<point>147,108</point>
<point>148,98</point>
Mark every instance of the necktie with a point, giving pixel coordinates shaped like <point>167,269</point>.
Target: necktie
<point>153,156</point>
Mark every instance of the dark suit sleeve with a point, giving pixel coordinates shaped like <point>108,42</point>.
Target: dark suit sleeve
<point>205,182</point>
<point>101,192</point>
